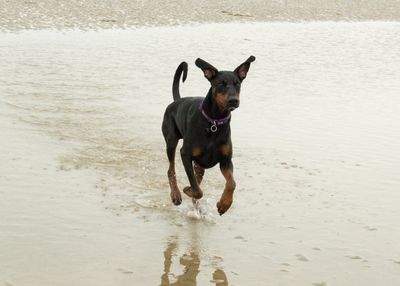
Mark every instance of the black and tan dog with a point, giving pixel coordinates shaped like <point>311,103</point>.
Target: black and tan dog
<point>203,123</point>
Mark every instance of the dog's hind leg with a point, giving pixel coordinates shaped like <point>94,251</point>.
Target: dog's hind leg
<point>175,192</point>
<point>171,139</point>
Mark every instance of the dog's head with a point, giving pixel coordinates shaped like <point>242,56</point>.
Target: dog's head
<point>225,85</point>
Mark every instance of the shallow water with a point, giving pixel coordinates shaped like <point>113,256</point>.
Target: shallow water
<point>84,197</point>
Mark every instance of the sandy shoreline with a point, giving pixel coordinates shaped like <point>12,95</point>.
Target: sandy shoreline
<point>83,188</point>
<point>84,196</point>
<point>42,14</point>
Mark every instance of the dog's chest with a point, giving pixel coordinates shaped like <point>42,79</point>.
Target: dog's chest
<point>210,153</point>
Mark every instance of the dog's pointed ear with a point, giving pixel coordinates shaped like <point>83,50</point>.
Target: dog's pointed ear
<point>242,70</point>
<point>208,70</point>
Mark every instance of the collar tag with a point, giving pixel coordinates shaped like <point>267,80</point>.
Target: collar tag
<point>214,128</point>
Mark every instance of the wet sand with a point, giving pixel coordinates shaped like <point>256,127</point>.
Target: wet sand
<point>91,14</point>
<point>84,193</point>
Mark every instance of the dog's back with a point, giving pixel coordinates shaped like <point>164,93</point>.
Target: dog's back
<point>180,113</point>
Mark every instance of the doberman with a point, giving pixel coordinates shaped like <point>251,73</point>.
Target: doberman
<point>204,125</point>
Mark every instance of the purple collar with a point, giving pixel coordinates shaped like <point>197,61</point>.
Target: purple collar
<point>214,122</point>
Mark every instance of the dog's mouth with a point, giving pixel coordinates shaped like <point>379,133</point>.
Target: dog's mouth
<point>233,106</point>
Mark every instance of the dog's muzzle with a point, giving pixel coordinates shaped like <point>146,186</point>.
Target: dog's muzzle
<point>233,104</point>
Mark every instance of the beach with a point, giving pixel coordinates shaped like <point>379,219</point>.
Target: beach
<point>84,194</point>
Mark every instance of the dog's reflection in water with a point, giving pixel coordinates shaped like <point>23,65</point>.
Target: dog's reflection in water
<point>191,262</point>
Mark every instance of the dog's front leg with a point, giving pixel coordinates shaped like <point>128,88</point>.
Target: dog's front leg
<point>194,190</point>
<point>226,199</point>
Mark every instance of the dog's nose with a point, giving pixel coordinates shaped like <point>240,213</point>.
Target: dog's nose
<point>233,102</point>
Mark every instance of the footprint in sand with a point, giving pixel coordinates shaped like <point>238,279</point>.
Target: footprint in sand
<point>124,271</point>
<point>301,257</point>
<point>355,257</point>
<point>239,237</point>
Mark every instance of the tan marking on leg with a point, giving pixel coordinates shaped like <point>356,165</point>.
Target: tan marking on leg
<point>199,172</point>
<point>175,192</point>
<point>196,195</point>
<point>225,149</point>
<point>226,199</point>
<point>196,151</point>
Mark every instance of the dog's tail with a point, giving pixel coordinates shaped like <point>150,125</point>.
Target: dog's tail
<point>183,67</point>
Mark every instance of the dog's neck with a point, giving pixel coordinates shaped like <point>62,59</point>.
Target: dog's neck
<point>211,108</point>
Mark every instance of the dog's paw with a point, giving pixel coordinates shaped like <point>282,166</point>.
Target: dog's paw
<point>223,205</point>
<point>194,195</point>
<point>176,198</point>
